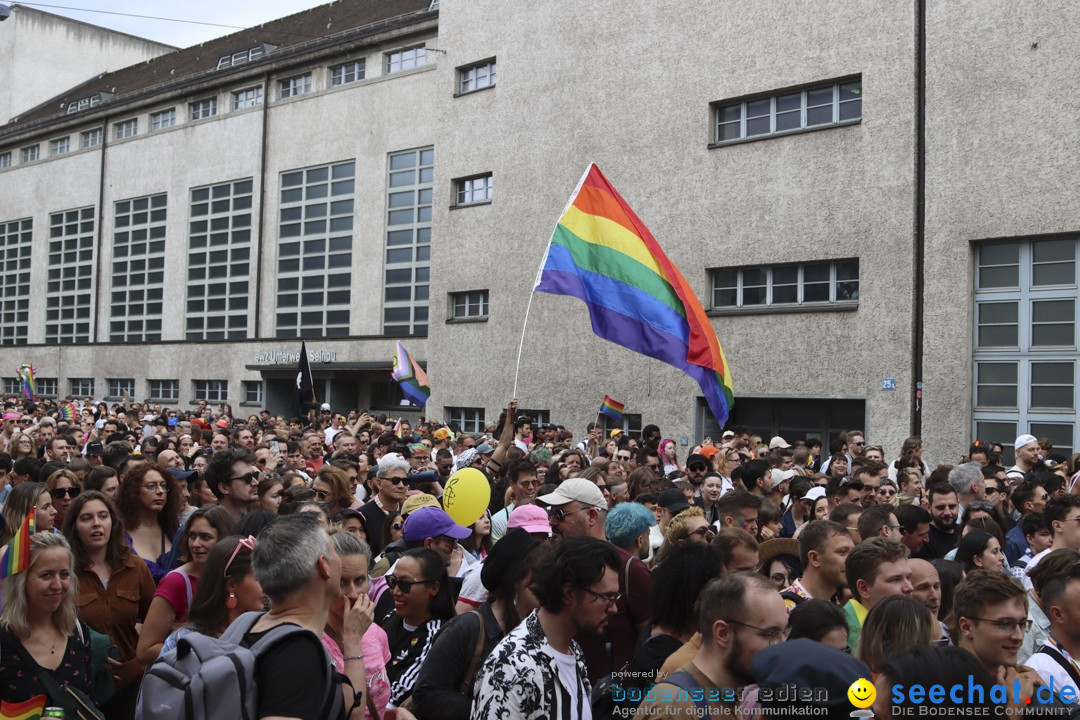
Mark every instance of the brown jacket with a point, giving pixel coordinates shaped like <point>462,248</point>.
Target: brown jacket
<point>115,610</point>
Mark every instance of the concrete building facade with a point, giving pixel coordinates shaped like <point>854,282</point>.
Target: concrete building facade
<point>46,55</point>
<point>882,239</point>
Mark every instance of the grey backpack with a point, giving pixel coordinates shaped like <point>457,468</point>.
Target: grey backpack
<point>207,678</point>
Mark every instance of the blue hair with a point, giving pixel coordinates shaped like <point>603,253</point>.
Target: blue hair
<point>626,521</point>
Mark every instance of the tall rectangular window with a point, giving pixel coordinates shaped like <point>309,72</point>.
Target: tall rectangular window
<point>59,146</point>
<point>163,119</point>
<point>828,282</point>
<point>473,190</point>
<point>405,59</point>
<point>118,387</point>
<point>469,305</point>
<point>253,391</point>
<point>212,390</point>
<point>468,420</point>
<point>315,251</point>
<point>138,270</point>
<point>13,387</point>
<point>46,387</point>
<point>81,387</point>
<point>203,109</point>
<point>5,160</point>
<point>126,129</point>
<point>1025,349</point>
<point>408,242</point>
<point>31,153</point>
<point>71,272</point>
<point>476,77</point>
<point>219,258</point>
<point>291,87</point>
<point>165,390</point>
<point>251,97</point>
<point>348,73</point>
<point>91,138</point>
<point>15,245</point>
<point>787,111</point>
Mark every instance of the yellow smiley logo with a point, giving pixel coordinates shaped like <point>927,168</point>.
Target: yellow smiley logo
<point>862,693</point>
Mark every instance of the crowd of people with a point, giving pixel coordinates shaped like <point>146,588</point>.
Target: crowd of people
<point>609,577</point>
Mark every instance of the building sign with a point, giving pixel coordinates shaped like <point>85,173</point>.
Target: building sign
<point>888,383</point>
<point>292,358</point>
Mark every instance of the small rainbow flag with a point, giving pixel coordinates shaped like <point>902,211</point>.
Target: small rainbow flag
<point>29,386</point>
<point>602,254</point>
<point>17,557</point>
<point>411,377</point>
<point>612,409</point>
<point>397,429</point>
<point>26,710</point>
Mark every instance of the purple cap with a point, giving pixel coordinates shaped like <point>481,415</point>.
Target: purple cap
<point>431,522</point>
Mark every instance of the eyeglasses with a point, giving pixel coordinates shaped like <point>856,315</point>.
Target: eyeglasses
<point>322,494</point>
<point>704,531</point>
<point>609,598</point>
<point>155,487</point>
<point>558,514</point>
<point>1007,624</point>
<point>248,542</point>
<point>68,492</point>
<point>773,635</point>
<point>393,582</point>
<point>984,506</point>
<point>250,477</point>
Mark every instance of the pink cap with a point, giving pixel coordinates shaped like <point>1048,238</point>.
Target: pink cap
<point>531,518</point>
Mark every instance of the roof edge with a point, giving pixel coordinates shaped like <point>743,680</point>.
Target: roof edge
<point>24,8</point>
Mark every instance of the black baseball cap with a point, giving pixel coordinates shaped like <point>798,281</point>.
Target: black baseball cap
<point>94,448</point>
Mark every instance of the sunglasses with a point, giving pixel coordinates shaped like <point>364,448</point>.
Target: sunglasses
<point>705,532</point>
<point>396,527</point>
<point>397,481</point>
<point>406,586</point>
<point>322,494</point>
<point>250,477</point>
<point>558,514</point>
<point>248,542</point>
<point>65,492</point>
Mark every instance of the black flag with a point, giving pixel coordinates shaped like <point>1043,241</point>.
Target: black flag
<point>305,392</point>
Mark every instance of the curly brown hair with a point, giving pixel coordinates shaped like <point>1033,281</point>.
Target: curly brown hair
<point>127,502</point>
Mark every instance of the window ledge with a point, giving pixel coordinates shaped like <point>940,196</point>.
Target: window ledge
<point>465,321</point>
<point>162,401</point>
<point>782,309</point>
<point>473,92</point>
<point>251,404</point>
<point>785,133</point>
<point>462,206</point>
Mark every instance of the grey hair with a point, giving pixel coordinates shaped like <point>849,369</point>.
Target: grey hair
<point>963,476</point>
<point>287,552</point>
<point>345,543</point>
<point>14,590</point>
<point>391,461</point>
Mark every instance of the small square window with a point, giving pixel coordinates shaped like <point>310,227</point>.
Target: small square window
<point>30,154</point>
<point>92,138</point>
<point>59,146</point>
<point>471,191</point>
<point>476,77</point>
<point>406,59</point>
<point>163,119</point>
<point>126,129</point>
<point>203,109</point>
<point>248,98</point>
<point>468,305</point>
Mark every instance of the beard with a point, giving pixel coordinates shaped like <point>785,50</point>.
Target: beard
<point>734,666</point>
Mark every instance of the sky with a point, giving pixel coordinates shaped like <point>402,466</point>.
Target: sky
<point>243,13</point>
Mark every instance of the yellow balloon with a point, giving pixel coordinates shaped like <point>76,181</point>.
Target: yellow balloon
<point>466,496</point>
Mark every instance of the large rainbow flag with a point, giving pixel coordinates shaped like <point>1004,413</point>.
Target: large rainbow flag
<point>412,378</point>
<point>603,254</point>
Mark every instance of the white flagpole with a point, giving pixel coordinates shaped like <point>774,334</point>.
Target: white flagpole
<point>539,272</point>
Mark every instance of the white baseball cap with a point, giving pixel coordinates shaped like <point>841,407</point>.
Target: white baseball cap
<point>1024,440</point>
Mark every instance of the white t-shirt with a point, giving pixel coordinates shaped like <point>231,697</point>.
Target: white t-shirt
<point>570,680</point>
<point>1052,673</point>
<point>1026,580</point>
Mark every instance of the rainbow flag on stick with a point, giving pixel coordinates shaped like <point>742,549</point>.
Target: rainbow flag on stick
<point>603,254</point>
<point>17,557</point>
<point>26,710</point>
<point>411,377</point>
<point>29,386</point>
<point>612,409</point>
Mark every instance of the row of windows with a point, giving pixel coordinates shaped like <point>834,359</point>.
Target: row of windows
<point>159,390</point>
<point>353,71</point>
<point>473,420</point>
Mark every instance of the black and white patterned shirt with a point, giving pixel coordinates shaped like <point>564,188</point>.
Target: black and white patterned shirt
<point>520,680</point>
